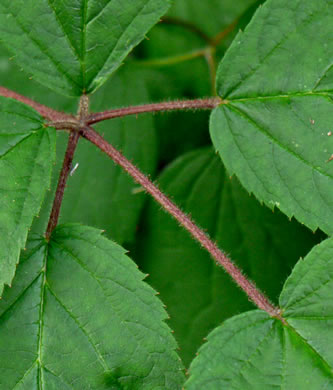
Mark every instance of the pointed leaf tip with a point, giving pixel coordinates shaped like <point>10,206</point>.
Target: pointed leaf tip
<point>74,50</point>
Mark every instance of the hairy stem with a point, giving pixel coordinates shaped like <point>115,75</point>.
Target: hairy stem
<point>198,234</point>
<point>66,168</point>
<point>196,104</point>
<point>46,112</point>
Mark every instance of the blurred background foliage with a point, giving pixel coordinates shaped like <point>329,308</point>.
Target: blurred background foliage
<point>178,60</point>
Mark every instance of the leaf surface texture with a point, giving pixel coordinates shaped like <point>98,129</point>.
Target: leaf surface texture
<point>27,151</point>
<point>73,46</point>
<point>79,316</point>
<point>274,132</point>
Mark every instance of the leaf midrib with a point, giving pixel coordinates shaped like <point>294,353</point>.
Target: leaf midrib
<point>327,94</point>
<point>309,346</point>
<point>40,320</point>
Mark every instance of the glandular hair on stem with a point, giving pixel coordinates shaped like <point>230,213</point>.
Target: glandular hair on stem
<point>83,107</point>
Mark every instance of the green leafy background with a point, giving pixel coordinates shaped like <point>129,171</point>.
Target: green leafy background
<point>272,137</point>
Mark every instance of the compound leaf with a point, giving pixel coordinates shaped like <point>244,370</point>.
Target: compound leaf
<point>274,130</point>
<point>198,294</point>
<point>74,46</point>
<point>254,351</point>
<point>79,316</point>
<point>27,151</point>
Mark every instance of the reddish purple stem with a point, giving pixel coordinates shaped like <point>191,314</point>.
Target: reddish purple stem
<point>66,168</point>
<point>80,126</point>
<point>197,104</point>
<point>44,111</point>
<point>250,289</point>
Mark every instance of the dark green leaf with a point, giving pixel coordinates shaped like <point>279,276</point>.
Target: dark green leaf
<point>80,317</point>
<point>254,351</point>
<point>273,133</point>
<point>27,151</point>
<point>198,294</point>
<point>73,46</point>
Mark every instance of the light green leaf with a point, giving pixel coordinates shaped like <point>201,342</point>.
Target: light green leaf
<point>198,294</point>
<point>80,317</point>
<point>254,351</point>
<point>74,46</point>
<point>27,151</point>
<point>274,131</point>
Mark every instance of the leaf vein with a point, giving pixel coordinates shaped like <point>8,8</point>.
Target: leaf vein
<point>120,37</point>
<point>83,330</point>
<point>285,38</point>
<point>45,51</point>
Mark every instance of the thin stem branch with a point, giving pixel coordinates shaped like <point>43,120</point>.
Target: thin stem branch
<point>66,168</point>
<point>198,234</point>
<point>46,112</point>
<point>172,60</point>
<point>223,34</point>
<point>210,59</point>
<point>197,104</point>
<point>189,26</point>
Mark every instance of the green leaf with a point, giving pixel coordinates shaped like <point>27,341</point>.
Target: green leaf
<point>74,46</point>
<point>254,351</point>
<point>198,294</point>
<point>13,77</point>
<point>79,316</point>
<point>273,132</point>
<point>99,193</point>
<point>27,151</point>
